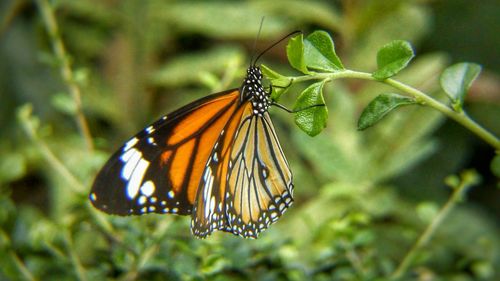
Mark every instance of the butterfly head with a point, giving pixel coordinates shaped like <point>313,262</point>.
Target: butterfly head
<point>253,91</point>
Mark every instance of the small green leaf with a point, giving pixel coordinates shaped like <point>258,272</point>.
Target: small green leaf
<point>392,58</point>
<point>12,166</point>
<point>81,76</point>
<point>295,53</point>
<point>495,166</point>
<point>426,211</point>
<point>64,103</point>
<point>456,81</point>
<point>319,52</point>
<point>381,106</point>
<point>280,83</point>
<point>209,79</point>
<point>24,114</point>
<point>312,113</point>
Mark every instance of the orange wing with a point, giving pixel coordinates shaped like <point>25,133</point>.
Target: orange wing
<point>160,168</point>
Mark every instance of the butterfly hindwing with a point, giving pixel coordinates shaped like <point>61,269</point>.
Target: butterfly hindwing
<point>260,181</point>
<point>247,184</point>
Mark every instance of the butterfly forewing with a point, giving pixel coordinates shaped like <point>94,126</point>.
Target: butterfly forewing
<point>159,169</point>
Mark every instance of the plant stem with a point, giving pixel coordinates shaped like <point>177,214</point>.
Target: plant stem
<point>459,117</point>
<point>353,258</point>
<point>24,116</point>
<point>469,179</point>
<point>75,260</point>
<point>141,260</point>
<point>47,153</point>
<point>65,69</point>
<point>421,97</point>
<point>10,14</point>
<point>148,252</point>
<point>25,273</point>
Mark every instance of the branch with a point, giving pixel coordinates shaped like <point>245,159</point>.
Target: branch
<point>65,68</point>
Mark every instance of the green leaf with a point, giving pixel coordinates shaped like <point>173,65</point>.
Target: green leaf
<point>64,103</point>
<point>280,83</point>
<point>319,52</point>
<point>456,81</point>
<point>295,53</point>
<point>12,166</point>
<point>381,106</point>
<point>81,76</point>
<point>426,211</point>
<point>312,113</point>
<point>392,58</point>
<point>495,166</point>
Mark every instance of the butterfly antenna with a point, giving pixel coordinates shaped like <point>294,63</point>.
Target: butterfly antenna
<point>256,39</point>
<point>274,44</point>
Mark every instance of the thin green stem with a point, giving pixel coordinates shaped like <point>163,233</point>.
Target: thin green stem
<point>75,260</point>
<point>47,153</point>
<point>10,13</point>
<point>141,260</point>
<point>469,179</point>
<point>21,267</point>
<point>19,264</point>
<point>149,252</point>
<point>421,97</point>
<point>28,125</point>
<point>65,69</point>
<point>353,258</point>
<point>459,117</point>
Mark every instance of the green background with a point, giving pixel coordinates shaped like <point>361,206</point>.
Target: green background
<point>361,198</point>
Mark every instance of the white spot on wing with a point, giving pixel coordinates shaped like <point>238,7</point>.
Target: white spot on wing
<point>133,172</point>
<point>130,143</point>
<point>131,158</point>
<point>148,188</point>
<point>171,194</point>
<point>150,129</point>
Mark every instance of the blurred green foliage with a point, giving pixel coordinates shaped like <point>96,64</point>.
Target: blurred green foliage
<point>362,198</point>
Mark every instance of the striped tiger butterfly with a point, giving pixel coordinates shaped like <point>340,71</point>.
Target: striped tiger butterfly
<point>217,159</point>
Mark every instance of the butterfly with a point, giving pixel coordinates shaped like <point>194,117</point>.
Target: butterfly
<point>217,159</point>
